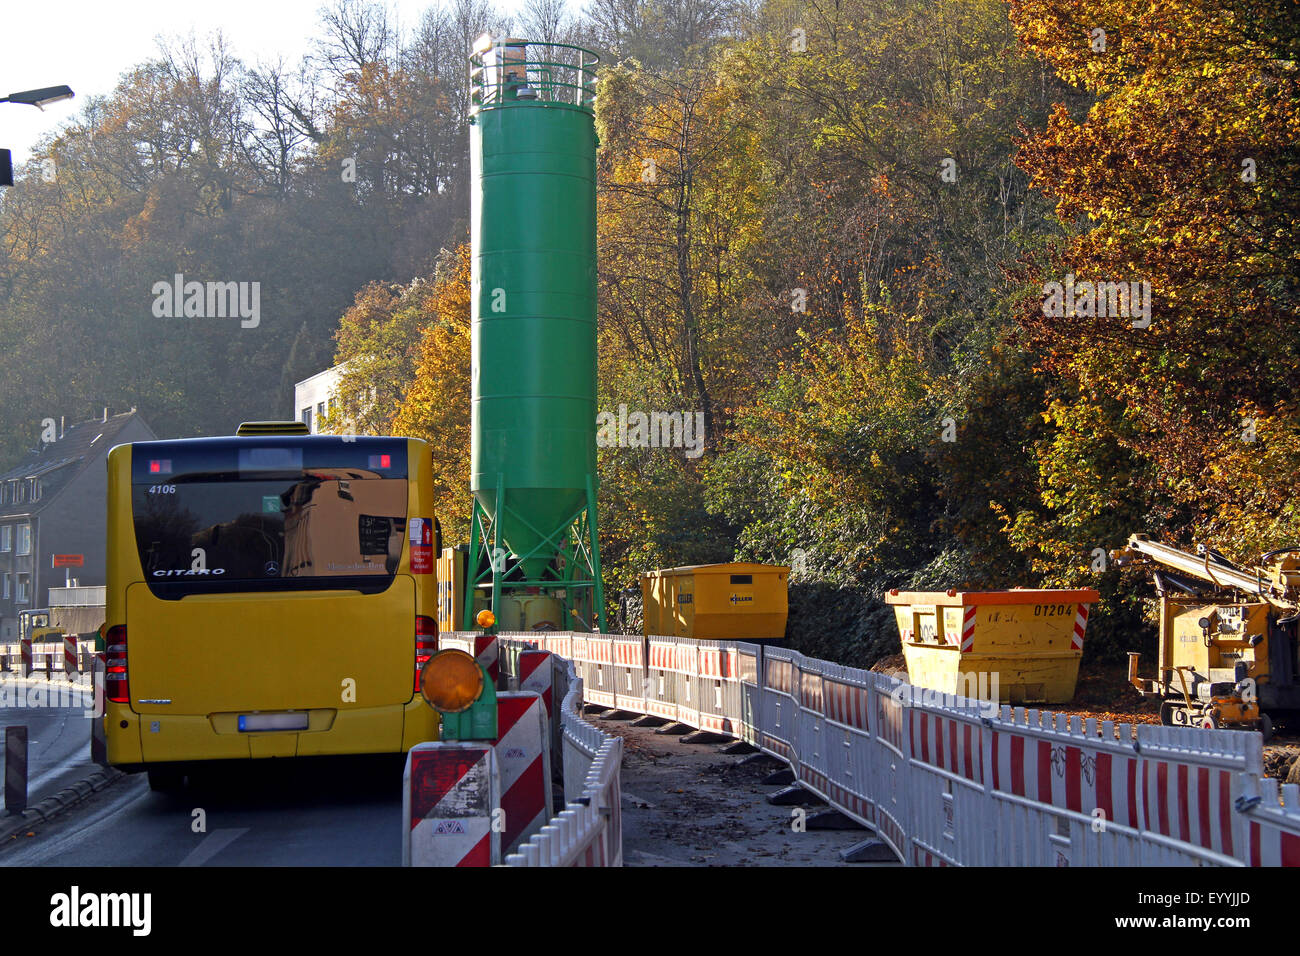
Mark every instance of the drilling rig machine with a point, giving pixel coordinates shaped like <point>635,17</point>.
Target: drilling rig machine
<point>1228,636</point>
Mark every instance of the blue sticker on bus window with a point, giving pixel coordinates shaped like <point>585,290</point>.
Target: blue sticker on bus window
<point>271,504</point>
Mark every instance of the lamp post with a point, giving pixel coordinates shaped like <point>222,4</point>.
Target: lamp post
<point>40,98</point>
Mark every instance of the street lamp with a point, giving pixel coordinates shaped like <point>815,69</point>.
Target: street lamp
<point>40,99</point>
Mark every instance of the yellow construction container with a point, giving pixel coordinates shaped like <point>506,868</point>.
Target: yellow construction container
<point>1018,646</point>
<point>717,602</point>
<point>451,589</point>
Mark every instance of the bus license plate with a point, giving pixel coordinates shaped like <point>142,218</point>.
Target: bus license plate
<point>296,721</point>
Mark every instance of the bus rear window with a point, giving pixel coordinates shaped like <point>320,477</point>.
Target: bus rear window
<point>268,517</point>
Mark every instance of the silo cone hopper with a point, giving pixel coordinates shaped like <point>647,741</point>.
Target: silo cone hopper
<point>533,313</point>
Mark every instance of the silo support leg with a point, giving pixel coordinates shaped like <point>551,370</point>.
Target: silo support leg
<point>471,566</point>
<point>597,583</point>
<point>497,554</point>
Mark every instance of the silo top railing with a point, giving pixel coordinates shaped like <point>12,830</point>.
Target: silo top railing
<point>507,71</point>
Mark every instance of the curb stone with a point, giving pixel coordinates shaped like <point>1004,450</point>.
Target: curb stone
<point>53,806</point>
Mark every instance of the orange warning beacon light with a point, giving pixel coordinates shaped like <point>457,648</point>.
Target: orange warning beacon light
<point>456,685</point>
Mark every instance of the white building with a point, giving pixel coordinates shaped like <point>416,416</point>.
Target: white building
<point>314,397</point>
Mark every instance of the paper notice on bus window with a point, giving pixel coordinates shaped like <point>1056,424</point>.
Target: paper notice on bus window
<point>373,532</point>
<point>421,545</point>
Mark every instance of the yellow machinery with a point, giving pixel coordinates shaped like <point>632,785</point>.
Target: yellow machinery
<point>721,602</point>
<point>1018,646</point>
<point>1228,640</point>
<point>35,625</point>
<point>451,590</point>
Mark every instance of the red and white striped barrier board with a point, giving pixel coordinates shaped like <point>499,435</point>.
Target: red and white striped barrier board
<point>749,700</point>
<point>535,675</point>
<point>600,671</point>
<point>1080,625</point>
<point>524,756</point>
<point>777,722</point>
<point>891,718</point>
<point>1079,774</point>
<point>487,653</point>
<point>1192,804</point>
<point>1271,846</point>
<point>560,643</point>
<point>719,688</point>
<point>968,628</point>
<point>450,794</point>
<point>846,704</point>
<point>629,680</point>
<point>1271,835</point>
<point>950,744</point>
<point>70,654</point>
<point>661,680</point>
<point>687,677</point>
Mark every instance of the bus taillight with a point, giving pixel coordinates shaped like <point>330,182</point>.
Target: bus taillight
<point>426,643</point>
<point>116,685</point>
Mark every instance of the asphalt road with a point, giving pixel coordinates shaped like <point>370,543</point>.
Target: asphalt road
<point>320,812</point>
<point>58,738</point>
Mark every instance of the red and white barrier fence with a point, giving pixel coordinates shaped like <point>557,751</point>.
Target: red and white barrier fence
<point>70,656</point>
<point>954,781</point>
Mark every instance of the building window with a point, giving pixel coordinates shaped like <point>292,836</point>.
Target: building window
<point>21,596</point>
<point>33,489</point>
<point>320,416</point>
<point>6,537</point>
<point>19,492</point>
<point>305,416</point>
<point>24,539</point>
<point>6,590</point>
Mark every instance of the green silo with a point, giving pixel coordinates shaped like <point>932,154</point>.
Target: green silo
<point>533,307</point>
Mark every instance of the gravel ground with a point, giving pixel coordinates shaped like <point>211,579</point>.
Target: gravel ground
<point>691,805</point>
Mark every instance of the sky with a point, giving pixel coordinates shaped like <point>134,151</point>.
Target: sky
<point>88,44</point>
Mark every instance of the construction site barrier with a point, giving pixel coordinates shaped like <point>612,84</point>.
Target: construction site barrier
<point>450,794</point>
<point>71,655</point>
<point>523,750</point>
<point>535,673</point>
<point>947,780</point>
<point>661,677</point>
<point>588,832</point>
<point>629,673</point>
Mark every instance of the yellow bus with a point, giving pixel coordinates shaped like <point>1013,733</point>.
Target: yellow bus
<point>271,594</point>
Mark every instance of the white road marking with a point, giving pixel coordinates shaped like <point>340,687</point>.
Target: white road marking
<point>212,844</point>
